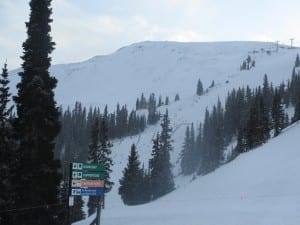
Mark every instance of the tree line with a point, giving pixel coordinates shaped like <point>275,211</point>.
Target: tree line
<point>140,185</point>
<point>249,118</point>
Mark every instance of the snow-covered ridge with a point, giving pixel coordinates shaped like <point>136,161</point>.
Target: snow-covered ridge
<point>164,68</point>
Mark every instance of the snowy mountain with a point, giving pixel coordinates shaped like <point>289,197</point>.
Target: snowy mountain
<point>260,187</point>
<point>167,68</point>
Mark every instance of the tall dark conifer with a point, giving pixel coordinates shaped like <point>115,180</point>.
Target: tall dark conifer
<point>7,151</point>
<point>277,113</point>
<point>94,149</point>
<point>199,88</point>
<point>185,153</point>
<point>104,155</point>
<point>167,182</point>
<point>297,61</point>
<point>131,183</point>
<point>37,123</point>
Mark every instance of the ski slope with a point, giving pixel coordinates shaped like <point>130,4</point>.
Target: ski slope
<point>259,187</point>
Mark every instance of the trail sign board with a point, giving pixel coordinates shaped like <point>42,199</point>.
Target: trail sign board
<point>88,167</point>
<point>88,175</point>
<point>87,191</point>
<point>87,183</point>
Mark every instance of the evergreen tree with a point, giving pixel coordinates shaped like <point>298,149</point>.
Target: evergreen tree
<point>243,66</point>
<point>7,150</point>
<point>248,62</point>
<point>77,212</point>
<point>143,102</point>
<point>286,120</point>
<point>131,183</point>
<point>5,111</point>
<point>167,183</point>
<point>160,166</point>
<point>160,103</point>
<point>258,126</point>
<point>153,116</point>
<point>104,154</point>
<point>185,156</point>
<point>177,98</point>
<point>94,150</point>
<point>154,167</point>
<point>199,91</point>
<point>297,111</point>
<point>297,61</point>
<point>189,158</point>
<point>37,123</point>
<point>267,94</point>
<point>145,194</point>
<point>167,101</point>
<point>277,113</point>
<point>137,104</point>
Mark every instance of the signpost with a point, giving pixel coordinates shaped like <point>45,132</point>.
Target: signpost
<point>87,183</point>
<point>88,166</point>
<point>88,175</point>
<point>87,191</point>
<point>87,179</point>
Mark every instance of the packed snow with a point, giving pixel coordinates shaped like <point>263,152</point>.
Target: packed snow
<point>259,187</point>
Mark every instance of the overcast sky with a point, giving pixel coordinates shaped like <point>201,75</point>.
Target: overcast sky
<point>85,28</point>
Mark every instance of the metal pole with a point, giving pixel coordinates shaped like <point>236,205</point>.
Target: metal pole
<point>98,212</point>
<point>277,43</point>
<point>69,193</point>
<point>292,39</point>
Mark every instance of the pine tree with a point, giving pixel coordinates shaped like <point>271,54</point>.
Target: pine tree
<point>243,66</point>
<point>185,153</point>
<point>257,129</point>
<point>160,103</point>
<point>177,98</point>
<point>189,158</point>
<point>77,212</point>
<point>131,183</point>
<point>94,150</point>
<point>153,116</point>
<point>297,111</point>
<point>154,167</point>
<point>7,150</point>
<point>267,94</point>
<point>297,61</point>
<point>286,120</point>
<point>37,123</point>
<point>166,182</point>
<point>199,91</point>
<point>167,101</point>
<point>277,113</point>
<point>4,97</point>
<point>104,154</point>
<point>137,104</point>
<point>199,150</point>
<point>248,62</point>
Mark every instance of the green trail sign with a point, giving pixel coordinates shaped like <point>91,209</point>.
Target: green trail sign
<point>88,175</point>
<point>88,167</point>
